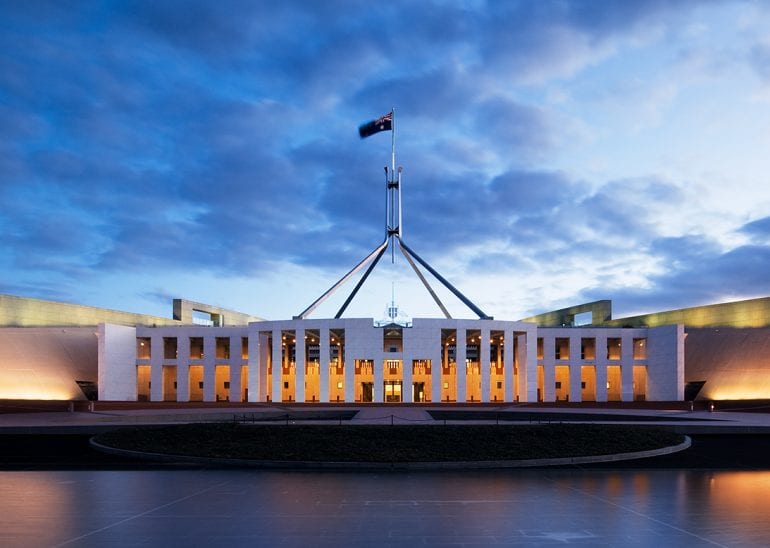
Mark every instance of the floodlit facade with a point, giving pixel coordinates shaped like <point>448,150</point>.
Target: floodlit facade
<point>62,351</point>
<point>355,361</point>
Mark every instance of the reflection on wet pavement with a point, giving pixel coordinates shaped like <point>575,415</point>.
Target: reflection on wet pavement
<point>266,508</point>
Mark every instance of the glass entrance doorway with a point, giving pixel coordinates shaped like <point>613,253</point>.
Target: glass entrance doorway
<point>367,391</point>
<point>392,391</point>
<point>418,391</point>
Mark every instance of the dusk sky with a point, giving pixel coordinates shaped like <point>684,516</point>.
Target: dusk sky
<point>554,153</point>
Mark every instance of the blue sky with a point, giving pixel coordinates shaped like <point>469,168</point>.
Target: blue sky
<point>554,152</point>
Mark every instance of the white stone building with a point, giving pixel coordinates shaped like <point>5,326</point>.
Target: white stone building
<point>354,360</point>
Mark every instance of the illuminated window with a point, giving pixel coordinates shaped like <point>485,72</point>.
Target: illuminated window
<point>640,349</point>
<point>169,348</point>
<point>196,348</point>
<point>561,348</point>
<point>143,348</point>
<point>613,348</point>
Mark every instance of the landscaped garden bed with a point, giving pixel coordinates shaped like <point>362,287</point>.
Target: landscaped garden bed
<point>389,444</point>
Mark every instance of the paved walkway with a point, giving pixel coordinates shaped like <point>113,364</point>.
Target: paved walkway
<point>684,421</point>
<point>392,415</point>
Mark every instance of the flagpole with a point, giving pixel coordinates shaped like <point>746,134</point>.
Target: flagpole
<point>393,232</point>
<point>387,206</point>
<point>400,223</point>
<point>393,141</point>
<point>392,179</point>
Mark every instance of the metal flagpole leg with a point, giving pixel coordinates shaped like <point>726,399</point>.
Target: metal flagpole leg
<point>302,315</point>
<point>424,281</point>
<point>449,286</point>
<point>360,283</point>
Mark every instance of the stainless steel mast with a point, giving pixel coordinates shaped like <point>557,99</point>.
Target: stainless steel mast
<point>393,234</point>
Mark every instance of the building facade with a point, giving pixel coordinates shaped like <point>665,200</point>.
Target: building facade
<point>59,351</point>
<point>356,361</point>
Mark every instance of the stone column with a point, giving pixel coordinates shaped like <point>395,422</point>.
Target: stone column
<point>324,359</point>
<point>277,362</point>
<point>575,369</point>
<point>156,368</point>
<point>349,372</point>
<point>508,349</point>
<point>627,367</point>
<point>209,368</point>
<point>484,364</point>
<point>461,368</point>
<point>379,378</point>
<point>601,367</point>
<point>183,368</point>
<point>436,366</point>
<point>528,381</point>
<point>407,358</point>
<point>258,360</point>
<point>235,362</point>
<point>549,362</point>
<point>299,362</point>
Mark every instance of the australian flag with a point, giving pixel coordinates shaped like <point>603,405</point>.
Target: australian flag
<point>383,123</point>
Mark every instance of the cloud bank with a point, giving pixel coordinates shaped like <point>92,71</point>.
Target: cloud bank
<point>569,151</point>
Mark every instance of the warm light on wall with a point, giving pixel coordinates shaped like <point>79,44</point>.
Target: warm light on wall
<point>743,393</point>
<point>19,393</point>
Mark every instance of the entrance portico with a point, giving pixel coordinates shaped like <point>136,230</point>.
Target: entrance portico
<point>475,361</point>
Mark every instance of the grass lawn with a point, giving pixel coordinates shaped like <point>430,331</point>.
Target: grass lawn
<point>389,444</point>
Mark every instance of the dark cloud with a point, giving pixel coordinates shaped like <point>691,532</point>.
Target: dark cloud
<point>697,271</point>
<point>429,100</point>
<point>609,17</point>
<point>532,40</point>
<point>206,28</point>
<point>511,128</point>
<point>220,137</point>
<point>759,228</point>
<point>528,193</point>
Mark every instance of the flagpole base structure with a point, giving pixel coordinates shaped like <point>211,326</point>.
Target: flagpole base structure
<point>407,251</point>
<point>411,256</point>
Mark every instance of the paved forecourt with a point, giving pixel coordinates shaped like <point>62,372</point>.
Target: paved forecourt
<point>688,422</point>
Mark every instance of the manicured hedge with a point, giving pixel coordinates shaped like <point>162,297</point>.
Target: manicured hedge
<point>400,443</point>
